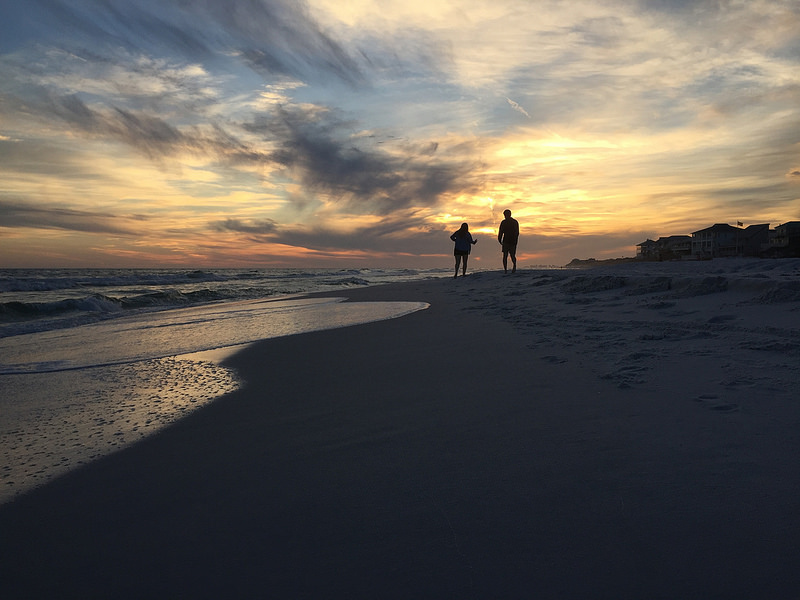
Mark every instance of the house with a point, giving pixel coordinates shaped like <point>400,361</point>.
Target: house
<point>722,239</point>
<point>646,250</point>
<point>754,240</point>
<point>674,246</point>
<point>665,248</point>
<point>717,240</point>
<point>784,240</point>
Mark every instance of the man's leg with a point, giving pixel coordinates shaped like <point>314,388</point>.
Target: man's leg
<point>514,260</point>
<point>505,260</point>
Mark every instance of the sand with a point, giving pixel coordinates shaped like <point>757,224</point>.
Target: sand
<point>611,433</point>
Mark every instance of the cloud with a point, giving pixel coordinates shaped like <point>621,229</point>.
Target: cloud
<point>313,147</point>
<point>309,144</point>
<point>150,135</point>
<point>20,158</point>
<point>19,214</point>
<point>398,234</point>
<point>280,36</point>
<point>275,37</point>
<point>517,107</point>
<point>260,227</point>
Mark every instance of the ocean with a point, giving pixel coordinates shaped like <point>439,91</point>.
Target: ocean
<point>33,300</point>
<point>92,360</point>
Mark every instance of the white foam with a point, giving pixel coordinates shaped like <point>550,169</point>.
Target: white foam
<point>183,331</point>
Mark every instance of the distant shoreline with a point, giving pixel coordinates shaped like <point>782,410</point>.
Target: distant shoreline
<point>584,263</point>
<point>580,263</point>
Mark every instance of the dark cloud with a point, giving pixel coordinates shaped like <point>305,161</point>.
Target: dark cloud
<point>37,158</point>
<point>150,135</point>
<point>404,233</point>
<point>259,227</point>
<point>314,148</point>
<point>316,151</point>
<point>146,132</point>
<point>18,214</point>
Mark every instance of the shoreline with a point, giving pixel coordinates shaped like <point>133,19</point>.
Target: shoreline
<point>111,385</point>
<point>505,442</point>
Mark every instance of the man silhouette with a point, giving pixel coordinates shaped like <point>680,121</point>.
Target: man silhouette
<point>508,236</point>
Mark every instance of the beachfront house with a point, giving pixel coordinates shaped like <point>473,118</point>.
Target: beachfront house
<point>754,240</point>
<point>646,250</point>
<point>784,240</point>
<point>722,239</point>
<point>717,240</point>
<point>672,247</point>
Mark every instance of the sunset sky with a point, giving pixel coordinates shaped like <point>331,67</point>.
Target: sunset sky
<point>361,133</point>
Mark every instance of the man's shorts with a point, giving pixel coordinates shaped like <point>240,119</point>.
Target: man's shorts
<point>509,248</point>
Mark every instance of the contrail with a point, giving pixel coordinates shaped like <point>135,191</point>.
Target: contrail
<point>517,107</point>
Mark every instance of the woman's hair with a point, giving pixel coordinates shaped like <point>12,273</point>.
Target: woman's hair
<point>463,231</point>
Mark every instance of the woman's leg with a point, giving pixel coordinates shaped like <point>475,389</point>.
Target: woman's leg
<point>458,262</point>
<point>466,256</point>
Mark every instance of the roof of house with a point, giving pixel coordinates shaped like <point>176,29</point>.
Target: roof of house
<point>752,230</point>
<point>717,228</point>
<point>675,238</point>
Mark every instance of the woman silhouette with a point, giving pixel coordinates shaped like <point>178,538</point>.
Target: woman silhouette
<point>464,242</point>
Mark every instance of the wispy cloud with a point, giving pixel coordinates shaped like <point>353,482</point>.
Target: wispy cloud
<point>21,215</point>
<point>517,107</point>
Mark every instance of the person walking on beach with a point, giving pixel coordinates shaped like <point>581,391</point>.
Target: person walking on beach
<point>508,236</point>
<point>464,242</point>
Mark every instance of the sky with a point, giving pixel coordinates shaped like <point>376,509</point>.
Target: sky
<point>362,133</point>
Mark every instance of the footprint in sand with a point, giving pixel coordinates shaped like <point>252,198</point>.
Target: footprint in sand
<point>725,407</point>
<point>712,403</point>
<point>554,359</point>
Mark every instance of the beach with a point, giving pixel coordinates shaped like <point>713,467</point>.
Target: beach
<point>626,431</point>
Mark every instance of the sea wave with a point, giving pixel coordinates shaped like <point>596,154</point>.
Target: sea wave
<point>40,299</point>
<point>14,311</point>
<point>348,282</point>
<point>51,280</point>
<point>75,311</point>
